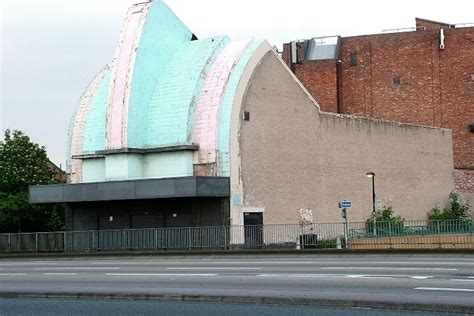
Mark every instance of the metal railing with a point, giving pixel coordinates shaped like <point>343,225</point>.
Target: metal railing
<point>278,236</point>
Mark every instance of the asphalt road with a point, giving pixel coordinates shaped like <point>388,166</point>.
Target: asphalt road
<point>50,307</point>
<point>431,280</point>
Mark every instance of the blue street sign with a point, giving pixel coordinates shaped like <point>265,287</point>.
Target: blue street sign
<point>345,204</point>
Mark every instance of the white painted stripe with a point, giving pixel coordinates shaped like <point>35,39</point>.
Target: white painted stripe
<point>139,263</point>
<point>16,264</point>
<point>11,274</point>
<point>213,268</point>
<point>314,275</point>
<point>368,276</point>
<point>265,262</point>
<point>59,274</point>
<point>431,262</point>
<point>79,268</point>
<point>161,274</point>
<point>387,268</point>
<point>443,289</point>
<point>470,277</point>
<point>462,280</point>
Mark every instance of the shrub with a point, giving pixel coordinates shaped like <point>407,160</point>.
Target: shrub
<point>386,223</point>
<point>458,210</point>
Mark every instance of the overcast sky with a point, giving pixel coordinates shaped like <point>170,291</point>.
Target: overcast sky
<point>51,49</point>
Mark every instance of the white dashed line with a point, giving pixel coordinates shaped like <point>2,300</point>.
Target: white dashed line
<point>79,268</point>
<point>59,274</point>
<point>11,274</point>
<point>443,289</point>
<point>162,274</point>
<point>214,268</point>
<point>387,268</point>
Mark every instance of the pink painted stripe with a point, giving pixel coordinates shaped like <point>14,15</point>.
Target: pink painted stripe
<point>77,137</point>
<point>118,102</point>
<point>205,132</point>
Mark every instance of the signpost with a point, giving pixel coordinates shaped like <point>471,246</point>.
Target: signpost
<point>344,205</point>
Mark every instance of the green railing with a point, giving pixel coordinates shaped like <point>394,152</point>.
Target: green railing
<point>412,228</point>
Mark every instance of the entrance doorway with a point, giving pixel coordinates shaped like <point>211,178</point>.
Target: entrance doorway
<point>253,229</point>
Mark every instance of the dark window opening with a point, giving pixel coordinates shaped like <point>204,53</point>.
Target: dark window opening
<point>353,59</point>
<point>247,116</point>
<point>397,81</point>
<point>471,127</point>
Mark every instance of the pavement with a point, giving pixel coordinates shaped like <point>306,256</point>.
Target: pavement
<point>428,282</point>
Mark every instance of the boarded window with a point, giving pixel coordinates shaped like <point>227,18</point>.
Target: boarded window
<point>354,59</point>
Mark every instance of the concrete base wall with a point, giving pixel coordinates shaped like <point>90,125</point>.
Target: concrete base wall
<point>414,242</point>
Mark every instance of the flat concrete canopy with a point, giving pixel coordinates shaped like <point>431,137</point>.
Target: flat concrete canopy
<point>131,190</point>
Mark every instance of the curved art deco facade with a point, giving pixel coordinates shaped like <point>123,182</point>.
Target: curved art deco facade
<point>163,107</point>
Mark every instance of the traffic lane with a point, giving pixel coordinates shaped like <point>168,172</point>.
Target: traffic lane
<point>334,295</point>
<point>127,307</point>
<point>466,274</point>
<point>350,286</point>
<point>341,263</point>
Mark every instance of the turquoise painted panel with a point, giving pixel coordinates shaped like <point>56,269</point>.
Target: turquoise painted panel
<point>93,170</point>
<point>170,116</point>
<point>226,109</point>
<point>135,166</point>
<point>72,123</point>
<point>168,164</point>
<point>163,34</point>
<point>94,130</point>
<point>116,167</point>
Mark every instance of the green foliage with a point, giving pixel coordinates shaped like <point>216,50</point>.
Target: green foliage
<point>458,210</point>
<point>23,163</point>
<point>386,223</point>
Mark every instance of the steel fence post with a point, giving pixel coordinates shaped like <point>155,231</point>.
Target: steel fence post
<point>36,243</point>
<point>9,243</point>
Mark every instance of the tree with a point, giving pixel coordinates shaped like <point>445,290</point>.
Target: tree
<point>23,163</point>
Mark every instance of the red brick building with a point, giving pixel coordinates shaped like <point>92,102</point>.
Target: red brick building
<point>424,76</point>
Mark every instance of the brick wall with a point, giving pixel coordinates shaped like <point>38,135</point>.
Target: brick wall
<point>320,76</point>
<point>436,87</point>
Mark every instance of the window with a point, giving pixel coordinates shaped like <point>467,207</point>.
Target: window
<point>397,81</point>
<point>353,59</point>
<point>471,127</point>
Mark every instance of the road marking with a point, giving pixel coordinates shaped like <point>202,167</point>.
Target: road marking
<point>314,275</point>
<point>59,273</point>
<point>79,268</point>
<point>10,274</point>
<point>161,274</point>
<point>264,262</point>
<point>137,263</point>
<point>16,264</point>
<point>213,268</point>
<point>461,280</point>
<point>367,276</point>
<point>387,268</point>
<point>443,289</point>
<point>423,262</point>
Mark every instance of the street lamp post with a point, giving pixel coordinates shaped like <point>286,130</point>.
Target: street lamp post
<point>372,176</point>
